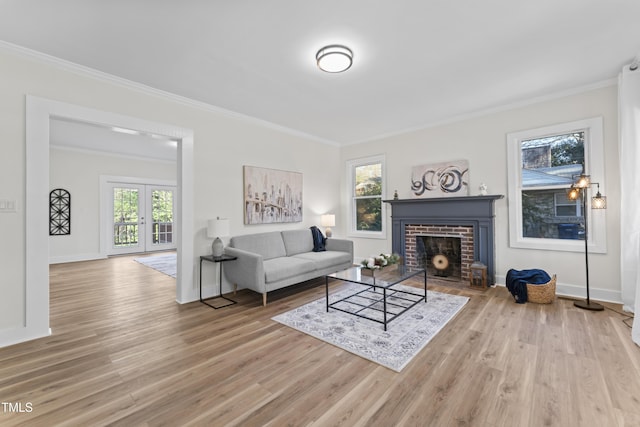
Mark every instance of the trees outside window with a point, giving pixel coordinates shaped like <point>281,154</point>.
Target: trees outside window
<point>366,190</point>
<point>548,167</point>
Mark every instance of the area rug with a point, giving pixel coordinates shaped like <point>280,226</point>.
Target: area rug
<point>165,263</point>
<point>394,349</point>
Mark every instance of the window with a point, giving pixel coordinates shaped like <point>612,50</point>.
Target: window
<point>542,165</point>
<point>566,207</point>
<point>366,190</point>
<point>548,167</point>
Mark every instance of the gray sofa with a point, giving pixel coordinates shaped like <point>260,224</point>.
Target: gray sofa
<point>273,260</point>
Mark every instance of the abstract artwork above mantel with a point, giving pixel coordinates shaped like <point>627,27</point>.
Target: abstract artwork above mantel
<point>445,179</point>
<point>272,196</point>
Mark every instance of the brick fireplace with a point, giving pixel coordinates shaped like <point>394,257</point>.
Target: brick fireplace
<point>454,242</point>
<point>470,218</point>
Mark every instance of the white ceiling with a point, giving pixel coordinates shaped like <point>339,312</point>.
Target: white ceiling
<point>416,62</point>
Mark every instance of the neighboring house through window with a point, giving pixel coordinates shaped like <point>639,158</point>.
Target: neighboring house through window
<point>542,166</point>
<point>365,180</point>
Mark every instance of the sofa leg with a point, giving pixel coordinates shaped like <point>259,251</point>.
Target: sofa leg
<point>235,288</point>
<point>264,299</point>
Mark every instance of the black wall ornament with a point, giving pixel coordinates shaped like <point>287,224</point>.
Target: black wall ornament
<point>59,212</point>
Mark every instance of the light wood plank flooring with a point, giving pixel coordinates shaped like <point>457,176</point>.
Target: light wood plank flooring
<point>124,353</point>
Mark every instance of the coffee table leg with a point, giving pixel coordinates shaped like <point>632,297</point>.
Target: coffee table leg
<point>326,286</point>
<point>425,285</point>
<point>384,306</point>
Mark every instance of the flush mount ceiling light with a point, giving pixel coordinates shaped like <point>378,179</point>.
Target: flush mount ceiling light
<point>334,58</point>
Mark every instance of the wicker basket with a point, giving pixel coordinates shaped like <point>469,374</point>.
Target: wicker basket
<point>542,294</point>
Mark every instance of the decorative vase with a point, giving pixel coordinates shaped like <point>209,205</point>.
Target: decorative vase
<point>372,272</point>
<point>217,247</point>
<point>367,271</point>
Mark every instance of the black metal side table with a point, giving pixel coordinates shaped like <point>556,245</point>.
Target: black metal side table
<point>216,259</point>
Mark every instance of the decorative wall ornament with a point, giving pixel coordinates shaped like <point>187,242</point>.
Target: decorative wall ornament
<point>59,212</point>
<point>440,179</point>
<point>271,196</point>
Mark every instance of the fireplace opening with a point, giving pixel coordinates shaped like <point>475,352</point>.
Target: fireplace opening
<point>441,256</point>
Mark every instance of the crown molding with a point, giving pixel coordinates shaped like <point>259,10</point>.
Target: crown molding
<point>83,71</point>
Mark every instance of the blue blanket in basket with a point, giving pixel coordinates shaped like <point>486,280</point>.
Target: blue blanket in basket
<point>517,282</point>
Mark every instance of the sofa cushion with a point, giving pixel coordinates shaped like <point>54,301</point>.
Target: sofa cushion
<point>285,267</point>
<point>269,245</point>
<point>297,241</point>
<point>325,259</point>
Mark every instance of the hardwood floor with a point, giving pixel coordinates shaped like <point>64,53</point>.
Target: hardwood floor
<point>124,353</point>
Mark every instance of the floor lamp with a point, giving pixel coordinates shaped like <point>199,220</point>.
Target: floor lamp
<point>579,190</point>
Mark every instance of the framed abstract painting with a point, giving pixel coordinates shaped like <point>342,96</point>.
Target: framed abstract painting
<point>446,179</point>
<point>271,196</point>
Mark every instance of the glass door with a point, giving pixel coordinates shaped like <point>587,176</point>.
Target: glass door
<point>160,227</point>
<point>126,218</point>
<point>141,218</point>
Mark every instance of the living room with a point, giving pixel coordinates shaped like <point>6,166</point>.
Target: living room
<point>217,144</point>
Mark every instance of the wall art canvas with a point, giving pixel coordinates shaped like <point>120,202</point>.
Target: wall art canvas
<point>272,196</point>
<point>446,179</point>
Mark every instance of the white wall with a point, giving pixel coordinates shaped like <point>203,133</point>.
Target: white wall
<point>482,141</point>
<point>79,173</point>
<point>223,143</point>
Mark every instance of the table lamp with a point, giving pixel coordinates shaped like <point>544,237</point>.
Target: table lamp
<point>328,220</point>
<point>215,229</point>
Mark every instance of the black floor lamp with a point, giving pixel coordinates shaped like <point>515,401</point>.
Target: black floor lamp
<point>579,190</point>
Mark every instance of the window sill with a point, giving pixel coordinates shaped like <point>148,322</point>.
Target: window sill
<point>368,235</point>
<point>562,245</point>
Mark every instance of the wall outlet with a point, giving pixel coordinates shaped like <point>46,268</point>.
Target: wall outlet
<point>7,206</point>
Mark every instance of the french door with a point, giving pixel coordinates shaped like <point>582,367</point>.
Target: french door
<point>140,218</point>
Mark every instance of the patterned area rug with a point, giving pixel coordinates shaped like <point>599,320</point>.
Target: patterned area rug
<point>165,263</point>
<point>405,335</point>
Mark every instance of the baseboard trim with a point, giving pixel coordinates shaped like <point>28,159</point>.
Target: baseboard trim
<point>19,335</point>
<point>76,258</point>
<point>579,292</point>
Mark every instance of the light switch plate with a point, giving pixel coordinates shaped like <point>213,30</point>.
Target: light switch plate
<point>7,206</point>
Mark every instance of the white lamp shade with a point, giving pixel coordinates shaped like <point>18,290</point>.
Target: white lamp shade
<point>328,220</point>
<point>217,228</point>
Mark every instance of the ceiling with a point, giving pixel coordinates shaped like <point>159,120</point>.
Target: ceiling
<point>416,63</point>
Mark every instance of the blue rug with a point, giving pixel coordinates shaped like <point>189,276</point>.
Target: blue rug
<point>165,263</point>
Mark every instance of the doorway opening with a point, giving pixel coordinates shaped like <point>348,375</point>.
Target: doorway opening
<point>39,112</point>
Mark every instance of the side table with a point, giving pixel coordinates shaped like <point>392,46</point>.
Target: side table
<point>216,259</point>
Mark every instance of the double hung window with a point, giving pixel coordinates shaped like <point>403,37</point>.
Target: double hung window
<point>543,163</point>
<point>366,190</point>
